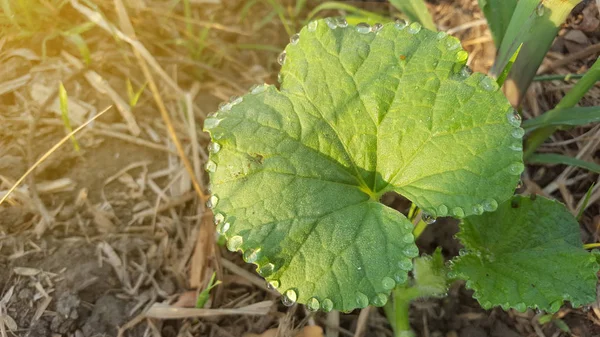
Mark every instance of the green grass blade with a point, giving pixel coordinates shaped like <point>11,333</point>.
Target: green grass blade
<point>281,14</point>
<point>585,201</point>
<point>571,98</point>
<point>553,158</point>
<point>204,294</point>
<point>134,96</point>
<point>187,12</point>
<point>534,25</point>
<point>502,77</point>
<point>82,46</point>
<point>498,14</point>
<point>64,110</point>
<point>415,10</point>
<point>332,5</point>
<point>564,117</point>
<point>566,77</point>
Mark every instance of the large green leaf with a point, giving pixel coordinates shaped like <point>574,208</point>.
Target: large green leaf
<point>297,173</point>
<point>526,254</point>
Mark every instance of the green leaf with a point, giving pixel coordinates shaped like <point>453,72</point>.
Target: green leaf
<point>498,14</point>
<point>555,158</point>
<point>297,173</point>
<point>564,117</point>
<point>526,254</point>
<point>534,24</point>
<point>430,275</point>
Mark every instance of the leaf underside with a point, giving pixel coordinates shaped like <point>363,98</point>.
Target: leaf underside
<point>526,254</point>
<point>297,172</point>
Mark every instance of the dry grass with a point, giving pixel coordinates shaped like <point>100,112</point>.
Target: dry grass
<point>135,192</point>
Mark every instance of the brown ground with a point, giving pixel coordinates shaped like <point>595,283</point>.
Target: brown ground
<point>115,228</point>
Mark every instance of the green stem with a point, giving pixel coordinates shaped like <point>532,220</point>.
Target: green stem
<point>539,136</point>
<point>398,316</point>
<point>566,77</point>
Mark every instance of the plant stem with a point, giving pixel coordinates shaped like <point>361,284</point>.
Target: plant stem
<point>539,136</point>
<point>397,313</point>
<point>558,77</point>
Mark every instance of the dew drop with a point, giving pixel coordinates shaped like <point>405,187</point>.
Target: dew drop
<point>279,78</point>
<point>234,243</point>
<point>327,305</point>
<point>219,218</point>
<point>312,26</point>
<point>540,9</point>
<point>458,212</point>
<point>400,24</point>
<point>234,100</point>
<point>442,210</point>
<point>377,27</point>
<point>330,23</point>
<point>211,123</point>
<point>223,227</point>
<point>490,205</point>
<point>341,22</point>
<point>516,168</point>
<point>281,58</point>
<point>405,265</point>
<point>211,166</point>
<point>388,283</point>
<point>414,28</point>
<point>452,43</point>
<point>441,35</point>
<point>214,147</point>
<point>250,256</point>
<point>488,84</point>
<point>514,118</point>
<point>486,305</point>
<point>313,304</point>
<point>362,300</point>
<point>400,277</point>
<point>462,56</point>
<point>289,297</point>
<point>266,270</point>
<point>517,146</point>
<point>477,209</point>
<point>466,71</point>
<point>428,218</point>
<point>273,284</point>
<point>212,201</point>
<point>518,133</point>
<point>363,28</point>
<point>462,252</point>
<point>258,89</point>
<point>379,300</point>
<point>408,238</point>
<point>411,251</point>
<point>224,106</point>
<point>294,39</point>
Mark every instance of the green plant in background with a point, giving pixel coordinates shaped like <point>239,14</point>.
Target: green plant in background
<point>297,174</point>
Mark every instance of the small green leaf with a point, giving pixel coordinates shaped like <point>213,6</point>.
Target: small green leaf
<point>504,74</point>
<point>526,254</point>
<point>205,294</point>
<point>297,172</point>
<point>430,275</point>
<point>64,110</point>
